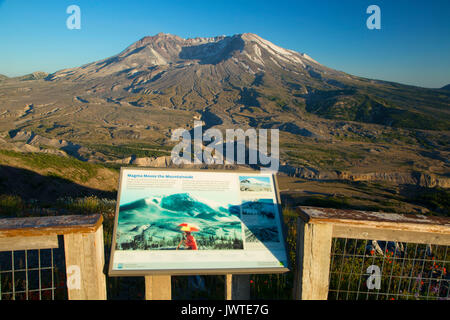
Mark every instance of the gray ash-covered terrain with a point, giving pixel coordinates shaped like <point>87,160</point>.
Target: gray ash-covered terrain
<point>333,125</point>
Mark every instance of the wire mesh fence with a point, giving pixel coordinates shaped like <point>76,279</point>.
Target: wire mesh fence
<point>386,270</point>
<point>33,274</point>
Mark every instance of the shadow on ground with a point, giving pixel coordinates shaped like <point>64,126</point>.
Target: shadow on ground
<point>30,185</point>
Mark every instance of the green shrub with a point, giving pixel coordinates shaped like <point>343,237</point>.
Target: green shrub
<point>11,205</point>
<point>87,205</point>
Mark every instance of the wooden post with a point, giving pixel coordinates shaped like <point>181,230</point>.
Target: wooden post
<point>237,287</point>
<point>84,265</point>
<point>158,287</point>
<point>317,226</point>
<point>313,264</point>
<point>83,245</point>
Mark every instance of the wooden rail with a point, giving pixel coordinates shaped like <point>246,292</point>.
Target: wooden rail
<point>316,227</point>
<point>83,245</point>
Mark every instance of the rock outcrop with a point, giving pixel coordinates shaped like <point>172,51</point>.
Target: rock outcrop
<point>427,180</point>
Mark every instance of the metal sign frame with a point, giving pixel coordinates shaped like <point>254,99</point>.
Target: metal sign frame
<point>204,271</point>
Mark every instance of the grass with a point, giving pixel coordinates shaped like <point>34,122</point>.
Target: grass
<point>437,199</point>
<point>351,105</point>
<point>11,205</point>
<point>328,202</point>
<point>87,205</point>
<point>138,150</point>
<point>414,120</point>
<point>388,137</point>
<point>72,168</point>
<point>320,156</point>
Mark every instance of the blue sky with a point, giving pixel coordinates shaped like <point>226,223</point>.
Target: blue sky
<point>413,46</point>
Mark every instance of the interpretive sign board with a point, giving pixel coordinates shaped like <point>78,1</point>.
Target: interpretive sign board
<point>182,222</point>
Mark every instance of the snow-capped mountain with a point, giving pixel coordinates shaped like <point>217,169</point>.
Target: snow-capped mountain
<point>247,51</point>
<point>164,82</point>
<point>156,220</point>
<point>222,77</point>
<point>254,181</point>
<point>251,184</point>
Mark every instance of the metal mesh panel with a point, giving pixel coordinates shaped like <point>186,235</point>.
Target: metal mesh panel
<point>33,274</point>
<point>386,270</point>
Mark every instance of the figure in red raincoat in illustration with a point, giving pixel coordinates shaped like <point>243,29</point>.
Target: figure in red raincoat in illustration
<point>188,239</point>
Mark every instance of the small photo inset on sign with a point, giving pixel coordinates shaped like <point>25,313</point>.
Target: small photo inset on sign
<point>255,184</point>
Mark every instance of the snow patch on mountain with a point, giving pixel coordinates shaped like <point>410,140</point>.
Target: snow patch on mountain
<point>285,55</point>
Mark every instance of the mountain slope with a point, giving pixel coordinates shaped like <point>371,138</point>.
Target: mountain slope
<point>249,75</point>
<point>328,119</point>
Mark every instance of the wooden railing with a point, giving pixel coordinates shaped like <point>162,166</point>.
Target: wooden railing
<point>317,232</point>
<point>83,248</point>
<point>316,228</point>
<point>84,255</point>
